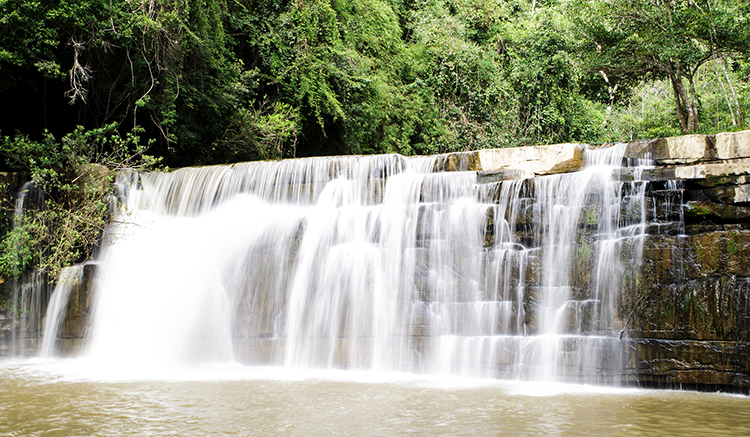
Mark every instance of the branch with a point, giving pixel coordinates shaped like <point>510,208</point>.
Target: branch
<point>79,75</point>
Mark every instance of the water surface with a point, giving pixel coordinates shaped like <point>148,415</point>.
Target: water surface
<point>65,398</point>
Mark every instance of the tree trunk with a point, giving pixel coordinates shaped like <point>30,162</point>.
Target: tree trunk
<point>731,89</point>
<point>687,108</point>
<point>693,108</point>
<point>726,96</point>
<point>679,102</point>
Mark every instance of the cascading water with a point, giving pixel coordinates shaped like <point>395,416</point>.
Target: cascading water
<point>371,263</point>
<point>53,318</point>
<point>30,292</point>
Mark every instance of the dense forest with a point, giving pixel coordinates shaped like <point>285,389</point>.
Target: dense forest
<point>191,82</point>
<point>213,81</point>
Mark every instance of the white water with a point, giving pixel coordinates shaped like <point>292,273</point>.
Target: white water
<point>53,319</point>
<point>30,291</point>
<point>370,263</point>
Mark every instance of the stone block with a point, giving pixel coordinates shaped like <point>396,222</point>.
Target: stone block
<point>733,145</point>
<point>537,160</point>
<point>672,363</point>
<point>697,211</point>
<point>487,177</point>
<point>729,193</point>
<point>457,161</point>
<point>717,172</point>
<point>684,149</point>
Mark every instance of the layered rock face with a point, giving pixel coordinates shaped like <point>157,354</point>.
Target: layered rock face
<point>685,311</point>
<point>689,310</point>
<point>77,315</point>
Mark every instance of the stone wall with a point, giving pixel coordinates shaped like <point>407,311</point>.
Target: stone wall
<point>690,311</point>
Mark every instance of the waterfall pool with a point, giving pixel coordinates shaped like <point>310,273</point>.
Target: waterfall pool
<point>67,397</point>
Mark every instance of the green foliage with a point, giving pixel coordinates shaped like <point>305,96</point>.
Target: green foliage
<point>648,112</point>
<point>547,81</point>
<point>214,81</point>
<point>32,32</point>
<point>75,174</point>
<point>18,250</point>
<point>636,39</point>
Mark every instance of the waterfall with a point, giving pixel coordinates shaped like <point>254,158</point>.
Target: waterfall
<point>372,263</point>
<point>30,292</point>
<point>53,319</point>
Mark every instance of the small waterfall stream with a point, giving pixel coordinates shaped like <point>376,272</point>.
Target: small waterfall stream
<point>30,291</point>
<point>372,263</point>
<point>53,318</point>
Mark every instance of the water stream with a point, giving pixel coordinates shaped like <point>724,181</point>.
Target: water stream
<point>30,292</point>
<point>55,313</point>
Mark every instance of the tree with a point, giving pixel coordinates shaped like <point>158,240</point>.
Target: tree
<point>668,39</point>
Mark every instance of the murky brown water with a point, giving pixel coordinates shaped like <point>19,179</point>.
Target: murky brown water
<point>42,400</point>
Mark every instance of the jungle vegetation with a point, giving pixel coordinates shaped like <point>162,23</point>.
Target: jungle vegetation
<point>215,81</point>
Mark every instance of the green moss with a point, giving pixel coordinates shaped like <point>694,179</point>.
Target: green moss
<point>733,243</point>
<point>584,253</point>
<point>592,217</point>
<point>697,249</point>
<point>699,210</point>
<point>717,180</point>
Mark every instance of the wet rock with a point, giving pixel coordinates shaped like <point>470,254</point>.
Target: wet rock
<point>657,174</point>
<point>674,363</point>
<point>77,318</point>
<point>460,161</point>
<point>729,193</point>
<point>715,211</point>
<point>486,177</point>
<point>711,181</point>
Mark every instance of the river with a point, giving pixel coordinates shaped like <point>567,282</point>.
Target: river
<point>72,398</point>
